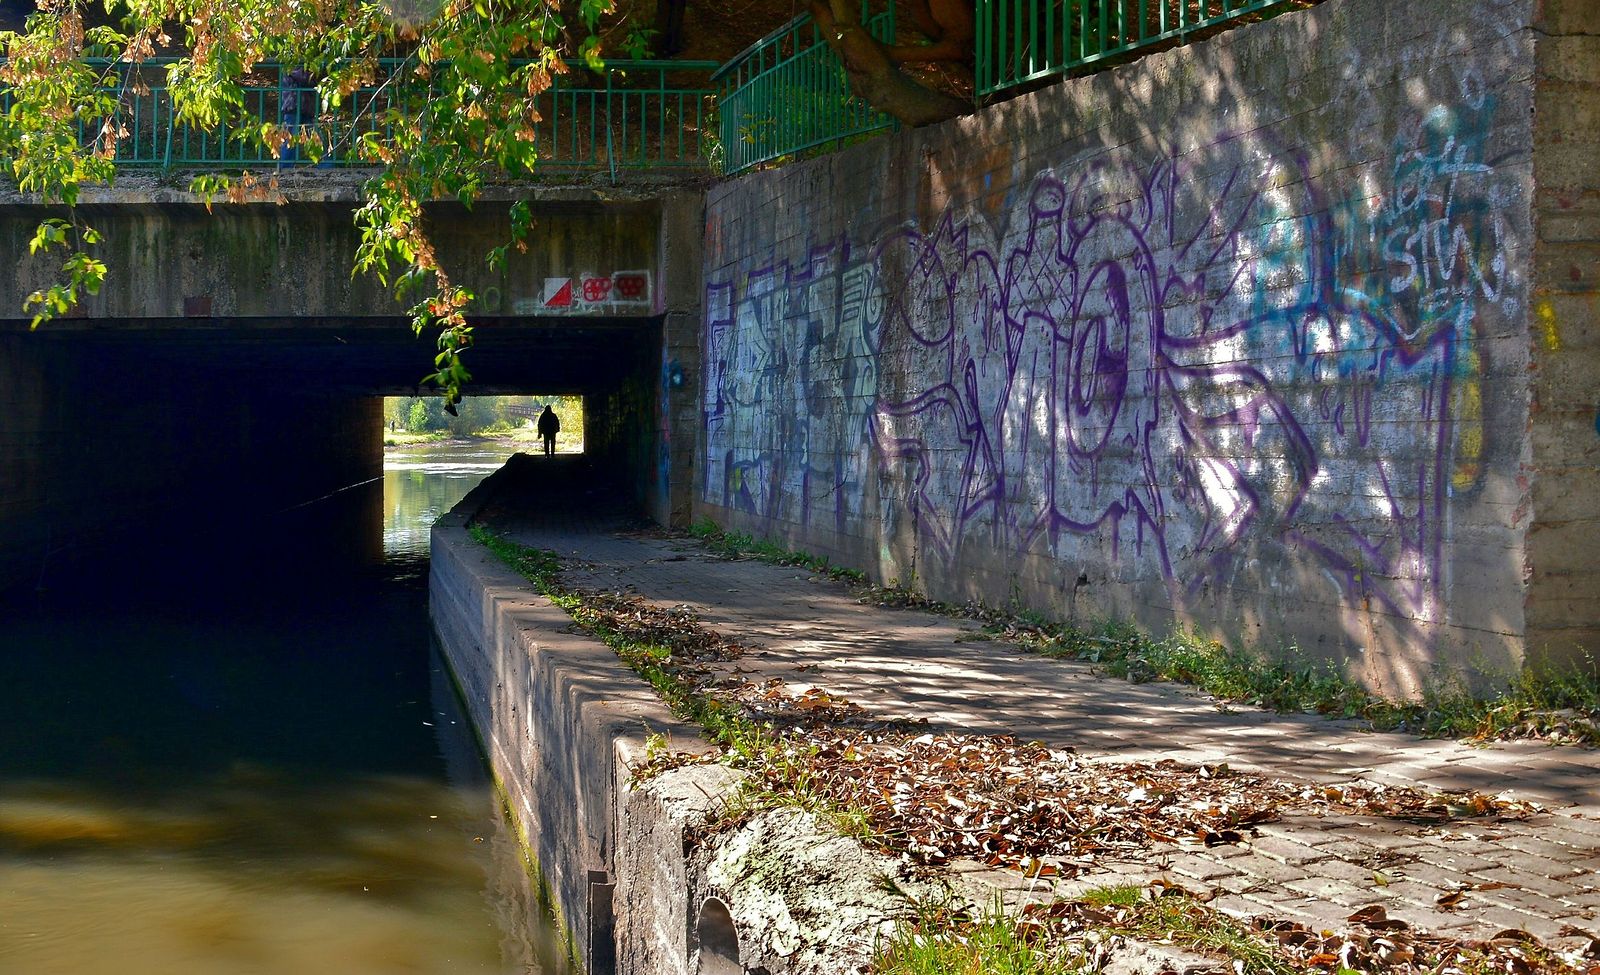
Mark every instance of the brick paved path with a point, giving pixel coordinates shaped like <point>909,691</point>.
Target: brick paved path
<point>1541,872</point>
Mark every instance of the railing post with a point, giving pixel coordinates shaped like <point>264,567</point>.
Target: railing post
<point>611,155</point>
<point>172,123</point>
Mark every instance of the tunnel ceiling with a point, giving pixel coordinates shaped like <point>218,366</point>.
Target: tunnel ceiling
<point>371,357</point>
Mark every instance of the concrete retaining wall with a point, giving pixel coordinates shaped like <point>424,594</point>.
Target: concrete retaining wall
<point>559,716</point>
<point>1238,336</point>
<point>639,880</point>
<point>1563,598</point>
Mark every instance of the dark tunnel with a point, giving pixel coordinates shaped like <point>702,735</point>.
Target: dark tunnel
<point>152,449</point>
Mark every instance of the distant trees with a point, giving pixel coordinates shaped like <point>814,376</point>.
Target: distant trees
<point>477,415</point>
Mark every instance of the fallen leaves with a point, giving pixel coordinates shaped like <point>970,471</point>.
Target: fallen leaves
<point>1379,943</point>
<point>1025,805</point>
<point>1021,804</point>
<point>991,798</point>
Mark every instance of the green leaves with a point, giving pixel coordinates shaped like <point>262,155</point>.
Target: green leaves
<point>209,186</point>
<point>440,107</point>
<point>50,233</point>
<point>82,273</point>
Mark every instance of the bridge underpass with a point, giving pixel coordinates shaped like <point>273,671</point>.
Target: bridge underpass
<point>202,398</point>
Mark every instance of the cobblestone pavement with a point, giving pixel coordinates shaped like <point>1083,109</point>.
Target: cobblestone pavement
<point>1537,874</point>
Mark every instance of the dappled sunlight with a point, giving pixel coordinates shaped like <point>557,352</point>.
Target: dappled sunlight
<point>1208,339</point>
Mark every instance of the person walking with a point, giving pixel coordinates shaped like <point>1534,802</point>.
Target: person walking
<point>549,426</point>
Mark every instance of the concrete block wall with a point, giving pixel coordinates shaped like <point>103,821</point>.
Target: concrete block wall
<point>1236,337</point>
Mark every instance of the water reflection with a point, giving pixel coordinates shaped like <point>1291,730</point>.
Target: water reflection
<point>422,482</point>
<point>258,776</point>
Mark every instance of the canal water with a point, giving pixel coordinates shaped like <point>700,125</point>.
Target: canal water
<point>259,769</point>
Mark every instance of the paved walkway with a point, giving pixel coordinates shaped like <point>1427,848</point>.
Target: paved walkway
<point>1538,874</point>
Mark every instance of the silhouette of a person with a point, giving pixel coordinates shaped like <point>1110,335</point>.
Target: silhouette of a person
<point>549,426</point>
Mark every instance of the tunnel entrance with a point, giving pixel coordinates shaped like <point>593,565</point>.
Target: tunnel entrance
<point>150,442</point>
<point>412,420</point>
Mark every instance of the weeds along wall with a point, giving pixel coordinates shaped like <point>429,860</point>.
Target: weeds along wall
<point>1235,337</point>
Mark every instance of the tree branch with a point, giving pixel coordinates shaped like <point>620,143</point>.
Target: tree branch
<point>873,75</point>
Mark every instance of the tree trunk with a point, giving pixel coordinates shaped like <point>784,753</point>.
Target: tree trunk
<point>669,27</point>
<point>874,76</point>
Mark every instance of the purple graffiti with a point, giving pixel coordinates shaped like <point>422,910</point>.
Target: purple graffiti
<point>1190,368</point>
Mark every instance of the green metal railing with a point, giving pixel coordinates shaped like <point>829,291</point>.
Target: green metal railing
<point>788,93</point>
<point>631,115</point>
<point>1019,41</point>
<point>785,95</point>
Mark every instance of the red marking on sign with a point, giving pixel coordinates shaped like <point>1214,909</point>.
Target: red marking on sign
<point>557,292</point>
<point>596,290</point>
<point>631,287</point>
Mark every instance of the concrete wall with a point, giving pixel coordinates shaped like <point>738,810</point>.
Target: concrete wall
<point>559,716</point>
<point>1236,336</point>
<point>1563,610</point>
<point>176,260</point>
<point>677,380</point>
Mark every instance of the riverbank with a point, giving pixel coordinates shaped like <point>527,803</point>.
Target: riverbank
<point>522,439</point>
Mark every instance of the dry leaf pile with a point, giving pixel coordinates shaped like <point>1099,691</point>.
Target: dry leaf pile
<point>676,628</point>
<point>1023,804</point>
<point>1379,943</point>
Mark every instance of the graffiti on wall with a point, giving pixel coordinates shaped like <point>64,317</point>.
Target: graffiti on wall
<point>1198,369</point>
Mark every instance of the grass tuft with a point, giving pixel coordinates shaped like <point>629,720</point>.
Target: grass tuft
<point>942,941</point>
<point>1069,938</point>
<point>737,545</point>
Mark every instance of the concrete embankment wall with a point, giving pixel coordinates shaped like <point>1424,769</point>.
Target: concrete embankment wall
<point>1243,336</point>
<point>559,716</point>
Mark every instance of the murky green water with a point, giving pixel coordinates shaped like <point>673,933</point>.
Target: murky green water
<point>263,771</point>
